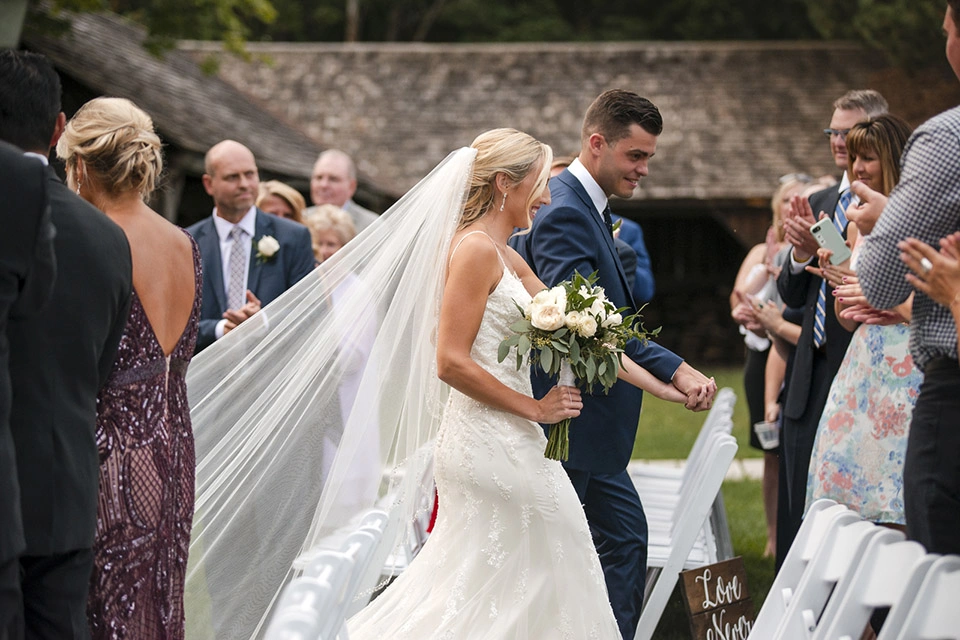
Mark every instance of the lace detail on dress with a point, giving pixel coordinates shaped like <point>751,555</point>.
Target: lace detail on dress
<point>511,547</point>
<point>146,495</point>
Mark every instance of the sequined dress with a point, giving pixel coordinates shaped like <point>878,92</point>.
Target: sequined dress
<point>146,497</point>
<point>510,557</point>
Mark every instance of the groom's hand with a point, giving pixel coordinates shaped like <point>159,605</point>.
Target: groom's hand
<point>699,389</point>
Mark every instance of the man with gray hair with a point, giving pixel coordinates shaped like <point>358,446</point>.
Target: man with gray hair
<point>334,181</point>
<point>823,341</point>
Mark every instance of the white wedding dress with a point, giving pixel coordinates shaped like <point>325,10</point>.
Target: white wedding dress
<point>510,557</point>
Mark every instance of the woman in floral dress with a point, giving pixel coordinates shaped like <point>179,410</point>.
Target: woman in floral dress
<point>862,436</point>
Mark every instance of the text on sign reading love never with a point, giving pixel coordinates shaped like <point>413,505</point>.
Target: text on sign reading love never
<point>717,601</point>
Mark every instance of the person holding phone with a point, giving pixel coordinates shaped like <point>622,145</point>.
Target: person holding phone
<point>861,440</point>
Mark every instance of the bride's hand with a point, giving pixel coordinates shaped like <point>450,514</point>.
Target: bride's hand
<point>559,404</point>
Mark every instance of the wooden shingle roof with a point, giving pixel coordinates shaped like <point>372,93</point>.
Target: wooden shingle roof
<point>737,115</point>
<point>190,109</point>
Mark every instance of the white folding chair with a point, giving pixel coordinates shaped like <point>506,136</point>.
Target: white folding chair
<point>653,478</point>
<point>834,560</point>
<point>706,483</point>
<point>307,601</point>
<point>935,611</point>
<point>889,575</point>
<point>822,519</point>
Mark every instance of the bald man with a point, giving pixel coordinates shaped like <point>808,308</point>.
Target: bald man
<point>249,257</point>
<point>334,181</point>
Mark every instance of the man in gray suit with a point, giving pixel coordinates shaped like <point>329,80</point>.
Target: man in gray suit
<point>334,181</point>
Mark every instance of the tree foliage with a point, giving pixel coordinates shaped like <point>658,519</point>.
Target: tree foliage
<point>906,31</point>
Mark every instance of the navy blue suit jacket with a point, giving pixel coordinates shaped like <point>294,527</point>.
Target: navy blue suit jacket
<point>266,279</point>
<point>568,235</point>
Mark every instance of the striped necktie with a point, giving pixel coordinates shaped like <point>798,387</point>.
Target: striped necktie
<point>840,222</point>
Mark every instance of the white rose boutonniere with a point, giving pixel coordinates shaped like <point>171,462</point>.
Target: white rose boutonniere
<point>267,248</point>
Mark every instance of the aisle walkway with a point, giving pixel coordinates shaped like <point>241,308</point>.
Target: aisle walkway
<point>740,468</point>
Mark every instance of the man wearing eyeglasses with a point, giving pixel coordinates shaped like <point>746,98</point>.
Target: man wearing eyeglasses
<point>823,341</point>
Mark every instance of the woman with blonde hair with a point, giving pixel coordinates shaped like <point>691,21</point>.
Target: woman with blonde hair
<point>330,227</point>
<point>281,200</point>
<point>113,160</point>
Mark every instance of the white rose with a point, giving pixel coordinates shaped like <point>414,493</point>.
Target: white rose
<point>559,297</point>
<point>548,317</point>
<point>267,246</point>
<point>613,320</point>
<point>572,320</point>
<point>587,326</point>
<point>598,309</point>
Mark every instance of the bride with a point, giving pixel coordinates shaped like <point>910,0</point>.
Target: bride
<point>511,554</point>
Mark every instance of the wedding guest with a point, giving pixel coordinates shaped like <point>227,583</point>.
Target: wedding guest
<point>334,181</point>
<point>144,439</point>
<point>861,440</point>
<point>823,341</point>
<point>925,206</point>
<point>249,257</point>
<point>936,274</point>
<point>59,360</point>
<point>756,282</point>
<point>281,200</point>
<point>330,228</point>
<point>27,274</point>
<point>574,232</point>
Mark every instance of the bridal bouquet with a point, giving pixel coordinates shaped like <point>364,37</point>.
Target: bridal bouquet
<point>573,330</point>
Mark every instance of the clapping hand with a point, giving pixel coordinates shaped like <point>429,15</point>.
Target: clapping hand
<point>866,212</point>
<point>796,224</point>
<point>235,317</point>
<point>937,274</point>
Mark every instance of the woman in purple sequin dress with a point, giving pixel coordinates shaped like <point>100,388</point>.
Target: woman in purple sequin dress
<point>144,437</point>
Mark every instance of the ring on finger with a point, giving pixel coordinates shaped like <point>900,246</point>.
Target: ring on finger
<point>925,265</point>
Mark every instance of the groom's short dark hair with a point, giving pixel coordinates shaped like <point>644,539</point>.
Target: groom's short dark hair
<point>29,99</point>
<point>613,112</point>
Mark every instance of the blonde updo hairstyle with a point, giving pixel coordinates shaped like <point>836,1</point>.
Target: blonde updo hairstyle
<point>512,153</point>
<point>117,143</point>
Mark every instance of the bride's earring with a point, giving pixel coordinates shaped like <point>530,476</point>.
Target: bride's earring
<point>79,184</point>
<point>504,202</point>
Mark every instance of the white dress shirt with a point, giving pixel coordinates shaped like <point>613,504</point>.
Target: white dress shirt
<point>594,191</point>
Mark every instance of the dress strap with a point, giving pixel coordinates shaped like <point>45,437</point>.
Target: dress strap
<point>503,263</point>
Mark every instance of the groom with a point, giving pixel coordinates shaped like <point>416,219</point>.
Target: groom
<point>573,233</point>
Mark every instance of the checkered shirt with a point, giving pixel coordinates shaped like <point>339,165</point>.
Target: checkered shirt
<point>924,205</point>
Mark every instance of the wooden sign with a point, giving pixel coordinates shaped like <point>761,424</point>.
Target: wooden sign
<point>718,602</point>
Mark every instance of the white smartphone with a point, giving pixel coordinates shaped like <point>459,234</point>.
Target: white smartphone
<point>827,236</point>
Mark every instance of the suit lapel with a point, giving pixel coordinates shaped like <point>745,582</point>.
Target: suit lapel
<point>209,243</point>
<point>571,181</point>
<point>264,227</point>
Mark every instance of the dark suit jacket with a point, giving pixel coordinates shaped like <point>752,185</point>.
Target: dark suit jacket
<point>801,290</point>
<point>27,273</point>
<point>60,360</point>
<point>267,279</point>
<point>568,235</point>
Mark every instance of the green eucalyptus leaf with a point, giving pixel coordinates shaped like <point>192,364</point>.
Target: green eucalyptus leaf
<point>546,359</point>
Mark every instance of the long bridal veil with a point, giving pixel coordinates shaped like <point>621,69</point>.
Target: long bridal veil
<point>321,406</point>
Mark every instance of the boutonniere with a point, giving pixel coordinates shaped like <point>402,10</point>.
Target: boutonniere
<point>267,248</point>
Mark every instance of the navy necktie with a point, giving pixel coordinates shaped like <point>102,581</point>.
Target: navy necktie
<point>840,222</point>
<point>608,220</point>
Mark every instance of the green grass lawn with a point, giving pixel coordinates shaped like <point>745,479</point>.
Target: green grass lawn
<point>667,431</point>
